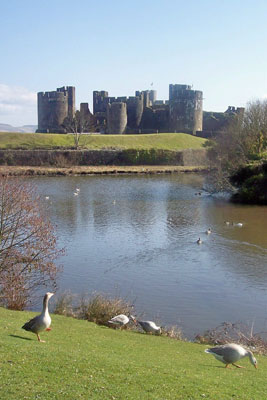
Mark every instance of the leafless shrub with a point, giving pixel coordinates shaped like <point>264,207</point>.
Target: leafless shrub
<point>61,161</point>
<point>173,332</point>
<point>100,308</point>
<point>64,305</point>
<point>238,333</point>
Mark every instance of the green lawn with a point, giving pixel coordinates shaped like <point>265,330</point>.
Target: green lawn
<point>81,360</point>
<point>164,141</point>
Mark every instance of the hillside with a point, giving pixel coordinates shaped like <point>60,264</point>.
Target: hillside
<point>81,360</point>
<point>22,129</point>
<point>163,141</point>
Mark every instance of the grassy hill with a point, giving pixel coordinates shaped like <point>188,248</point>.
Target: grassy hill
<point>81,360</point>
<point>163,141</point>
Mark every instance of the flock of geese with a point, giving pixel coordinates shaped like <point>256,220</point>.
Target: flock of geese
<point>227,354</point>
<point>208,231</point>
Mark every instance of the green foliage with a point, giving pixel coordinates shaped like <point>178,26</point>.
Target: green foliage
<point>252,184</point>
<point>147,157</point>
<point>164,141</point>
<point>81,360</point>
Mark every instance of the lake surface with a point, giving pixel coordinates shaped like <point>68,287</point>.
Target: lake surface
<point>135,236</point>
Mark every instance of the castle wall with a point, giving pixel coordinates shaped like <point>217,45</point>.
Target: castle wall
<point>116,118</point>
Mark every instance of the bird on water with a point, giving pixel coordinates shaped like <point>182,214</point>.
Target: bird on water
<point>40,322</point>
<point>230,353</point>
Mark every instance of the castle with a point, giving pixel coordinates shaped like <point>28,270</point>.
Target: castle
<point>135,114</point>
<point>142,113</point>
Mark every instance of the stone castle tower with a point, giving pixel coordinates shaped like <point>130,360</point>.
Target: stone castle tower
<point>185,107</point>
<point>54,107</point>
<point>116,118</point>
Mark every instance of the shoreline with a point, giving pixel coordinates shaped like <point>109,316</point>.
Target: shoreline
<point>98,170</point>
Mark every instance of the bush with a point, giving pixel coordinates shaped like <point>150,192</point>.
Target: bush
<point>64,305</point>
<point>234,333</point>
<point>100,308</point>
<point>252,182</point>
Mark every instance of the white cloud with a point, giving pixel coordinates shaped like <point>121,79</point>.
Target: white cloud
<point>18,105</point>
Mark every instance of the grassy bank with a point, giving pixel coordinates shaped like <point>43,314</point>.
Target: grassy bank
<point>163,141</point>
<point>81,360</point>
<point>97,170</point>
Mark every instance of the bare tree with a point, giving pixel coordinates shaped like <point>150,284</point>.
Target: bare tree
<point>27,244</point>
<point>79,124</point>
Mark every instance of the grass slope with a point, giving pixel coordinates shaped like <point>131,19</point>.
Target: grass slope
<point>81,360</point>
<point>165,141</point>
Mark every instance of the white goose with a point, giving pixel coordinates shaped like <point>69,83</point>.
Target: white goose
<point>150,327</point>
<point>230,353</point>
<point>121,320</point>
<point>40,322</point>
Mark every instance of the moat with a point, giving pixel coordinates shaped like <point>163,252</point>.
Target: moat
<point>135,236</point>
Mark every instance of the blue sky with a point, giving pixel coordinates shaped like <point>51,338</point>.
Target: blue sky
<point>121,46</point>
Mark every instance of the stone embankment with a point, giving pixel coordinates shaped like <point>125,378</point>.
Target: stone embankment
<point>68,158</point>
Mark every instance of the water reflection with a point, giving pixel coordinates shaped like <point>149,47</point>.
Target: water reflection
<point>137,235</point>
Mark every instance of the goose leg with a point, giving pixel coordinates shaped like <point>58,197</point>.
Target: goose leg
<point>227,365</point>
<point>39,339</point>
<point>237,366</point>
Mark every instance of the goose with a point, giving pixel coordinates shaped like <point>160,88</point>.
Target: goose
<point>208,231</point>
<point>47,197</point>
<point>121,320</point>
<point>227,222</point>
<point>75,193</point>
<point>199,241</point>
<point>230,353</point>
<point>77,189</point>
<point>150,327</point>
<point>239,224</point>
<point>40,322</point>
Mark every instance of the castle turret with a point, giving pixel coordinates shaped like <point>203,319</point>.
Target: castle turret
<point>152,96</point>
<point>116,118</point>
<point>100,101</point>
<point>135,107</point>
<point>186,113</point>
<point>54,107</point>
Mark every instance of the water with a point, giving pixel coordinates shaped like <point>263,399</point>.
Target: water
<point>136,236</point>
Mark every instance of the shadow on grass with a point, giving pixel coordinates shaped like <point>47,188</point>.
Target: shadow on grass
<point>20,337</point>
<point>213,366</point>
